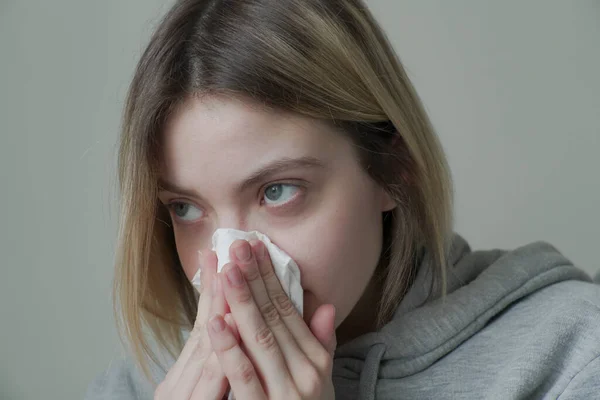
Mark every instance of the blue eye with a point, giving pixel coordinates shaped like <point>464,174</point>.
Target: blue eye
<point>185,211</point>
<point>280,193</point>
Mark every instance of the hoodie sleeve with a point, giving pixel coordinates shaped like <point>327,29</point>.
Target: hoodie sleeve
<point>121,381</point>
<point>584,385</point>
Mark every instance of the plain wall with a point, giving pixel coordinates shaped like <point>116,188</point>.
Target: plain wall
<point>512,88</point>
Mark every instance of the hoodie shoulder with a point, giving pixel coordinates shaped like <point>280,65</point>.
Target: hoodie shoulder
<point>514,324</point>
<point>568,306</point>
<point>584,385</point>
<point>554,334</point>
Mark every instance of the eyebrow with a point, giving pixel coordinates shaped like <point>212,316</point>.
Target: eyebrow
<point>275,167</point>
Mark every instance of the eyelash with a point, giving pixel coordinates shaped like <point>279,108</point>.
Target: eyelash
<point>171,208</point>
<point>301,188</point>
<point>297,185</point>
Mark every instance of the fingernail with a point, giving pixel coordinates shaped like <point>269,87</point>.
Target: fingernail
<point>217,324</point>
<point>242,252</point>
<point>234,276</point>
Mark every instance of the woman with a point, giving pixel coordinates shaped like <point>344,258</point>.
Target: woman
<point>295,118</point>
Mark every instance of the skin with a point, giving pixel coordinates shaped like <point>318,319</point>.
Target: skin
<point>325,212</point>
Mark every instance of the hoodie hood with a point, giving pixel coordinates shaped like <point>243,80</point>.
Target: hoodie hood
<point>480,286</point>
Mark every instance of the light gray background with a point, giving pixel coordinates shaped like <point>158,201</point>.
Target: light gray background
<point>512,88</point>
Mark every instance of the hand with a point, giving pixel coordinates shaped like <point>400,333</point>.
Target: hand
<point>278,355</point>
<point>197,374</point>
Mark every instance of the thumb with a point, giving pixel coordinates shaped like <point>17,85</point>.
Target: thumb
<point>322,325</point>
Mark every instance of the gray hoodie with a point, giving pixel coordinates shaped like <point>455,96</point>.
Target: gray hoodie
<point>515,325</point>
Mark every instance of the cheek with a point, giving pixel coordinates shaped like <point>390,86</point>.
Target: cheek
<point>337,251</point>
<point>187,244</point>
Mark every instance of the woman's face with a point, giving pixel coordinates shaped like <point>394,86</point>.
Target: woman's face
<point>230,164</point>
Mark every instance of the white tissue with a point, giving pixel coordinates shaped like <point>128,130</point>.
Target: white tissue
<point>285,267</point>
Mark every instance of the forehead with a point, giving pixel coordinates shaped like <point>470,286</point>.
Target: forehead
<point>221,132</point>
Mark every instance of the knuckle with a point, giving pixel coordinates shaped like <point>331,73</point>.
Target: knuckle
<point>198,357</point>
<point>195,341</point>
<point>312,384</point>
<point>244,296</point>
<point>251,273</point>
<point>270,313</point>
<point>268,273</point>
<point>265,338</point>
<point>207,373</point>
<point>200,353</point>
<point>198,331</point>
<point>284,305</point>
<point>314,390</point>
<point>244,373</point>
<point>324,361</point>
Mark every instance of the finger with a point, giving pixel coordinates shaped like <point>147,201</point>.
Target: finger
<point>208,260</point>
<point>248,265</point>
<point>236,366</point>
<point>322,325</point>
<point>197,367</point>
<point>194,345</point>
<point>233,326</point>
<point>260,342</point>
<point>242,253</point>
<point>295,359</point>
<point>220,306</point>
<point>218,303</point>
<point>199,371</point>
<point>307,342</point>
<point>212,383</point>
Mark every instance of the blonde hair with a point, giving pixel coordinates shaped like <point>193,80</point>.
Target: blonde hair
<point>326,59</point>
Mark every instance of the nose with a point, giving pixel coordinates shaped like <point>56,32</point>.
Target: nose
<point>231,220</point>
<point>242,221</point>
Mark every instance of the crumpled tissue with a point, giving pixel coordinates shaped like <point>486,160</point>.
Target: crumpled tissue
<point>285,267</point>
